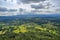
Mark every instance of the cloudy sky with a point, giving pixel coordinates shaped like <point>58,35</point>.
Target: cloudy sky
<point>16,7</point>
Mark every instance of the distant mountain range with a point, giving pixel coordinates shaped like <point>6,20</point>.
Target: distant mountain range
<point>31,15</point>
<point>10,18</point>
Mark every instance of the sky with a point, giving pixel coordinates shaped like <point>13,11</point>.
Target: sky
<point>17,7</point>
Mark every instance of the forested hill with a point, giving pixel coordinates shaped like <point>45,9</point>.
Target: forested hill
<point>24,27</point>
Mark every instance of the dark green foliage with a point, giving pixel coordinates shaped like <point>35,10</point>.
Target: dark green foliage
<point>30,29</point>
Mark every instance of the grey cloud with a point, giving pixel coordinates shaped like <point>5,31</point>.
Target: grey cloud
<point>58,9</point>
<point>48,5</point>
<point>3,9</point>
<point>12,10</point>
<point>20,9</point>
<point>40,6</point>
<point>30,1</point>
<point>1,1</point>
<point>41,11</point>
<point>36,11</point>
<point>5,0</point>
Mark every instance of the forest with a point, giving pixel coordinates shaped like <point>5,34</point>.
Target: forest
<point>32,28</point>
